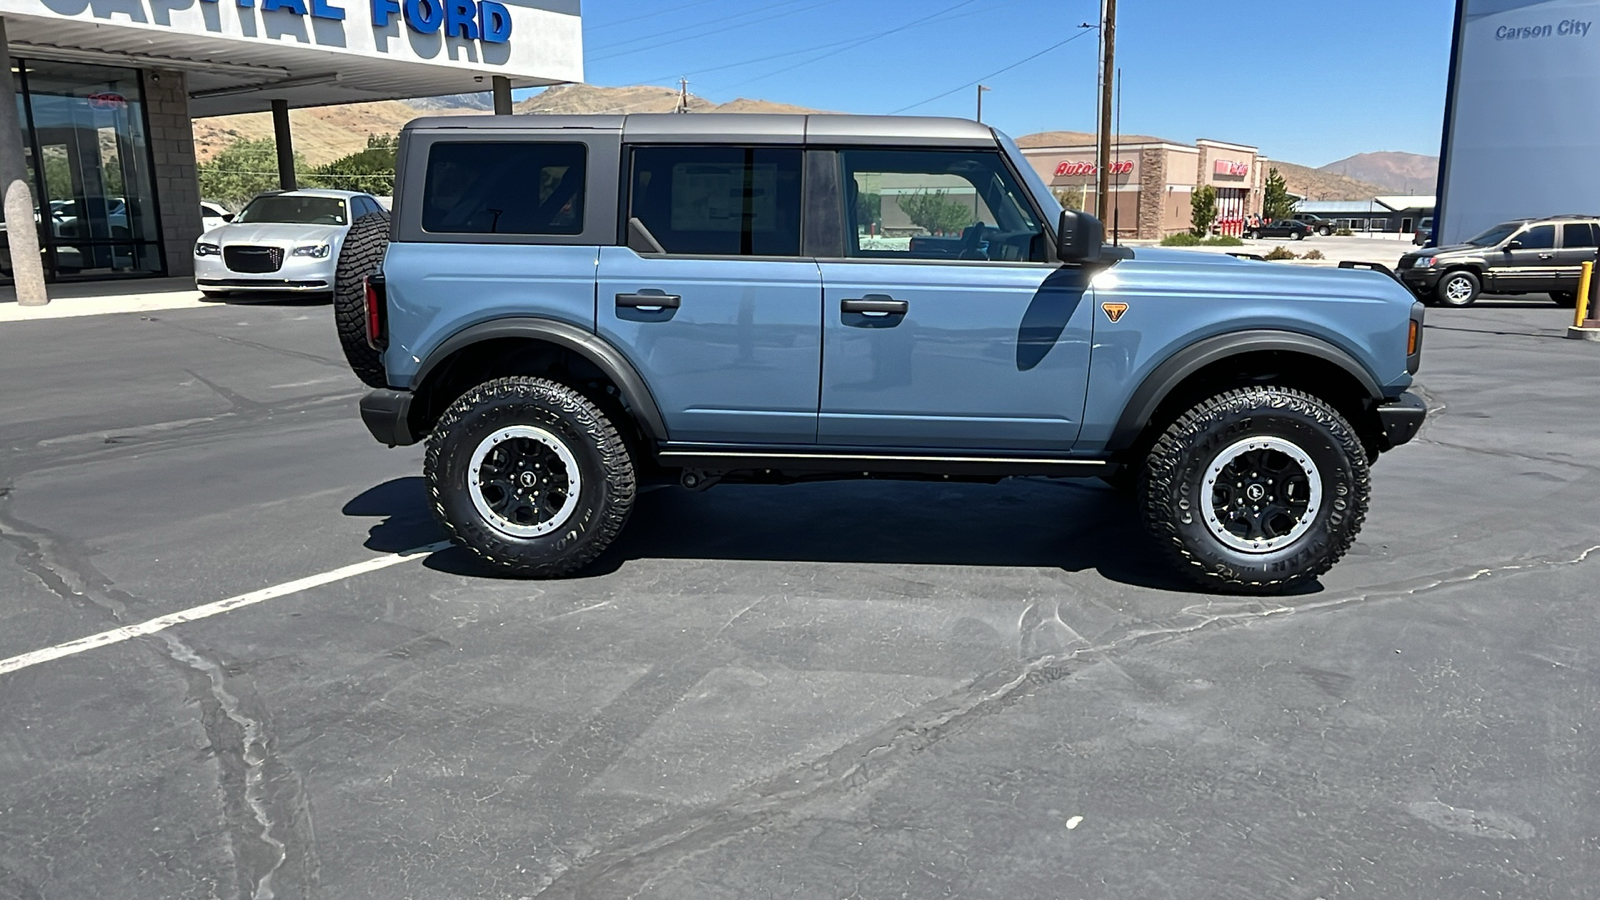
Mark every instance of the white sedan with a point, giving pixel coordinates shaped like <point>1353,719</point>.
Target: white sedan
<point>280,241</point>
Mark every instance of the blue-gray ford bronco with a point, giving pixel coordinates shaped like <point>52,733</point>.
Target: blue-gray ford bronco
<point>567,307</point>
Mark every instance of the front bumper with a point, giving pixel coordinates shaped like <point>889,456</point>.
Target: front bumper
<point>387,414</point>
<point>1402,418</point>
<point>1420,281</point>
<point>298,273</point>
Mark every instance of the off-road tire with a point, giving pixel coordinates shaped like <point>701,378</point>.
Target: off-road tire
<point>1441,291</point>
<point>360,256</point>
<point>607,481</point>
<point>1568,299</point>
<point>1170,491</point>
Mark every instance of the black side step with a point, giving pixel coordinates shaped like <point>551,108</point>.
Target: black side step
<point>943,464</point>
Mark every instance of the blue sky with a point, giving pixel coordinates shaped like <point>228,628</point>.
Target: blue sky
<point>1308,81</point>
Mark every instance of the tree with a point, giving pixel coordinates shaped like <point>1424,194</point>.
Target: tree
<point>935,212</point>
<point>1202,210</point>
<point>1275,202</point>
<point>869,211</point>
<point>242,170</point>
<point>1071,198</point>
<point>370,170</point>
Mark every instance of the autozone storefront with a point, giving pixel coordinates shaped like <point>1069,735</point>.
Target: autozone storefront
<point>105,91</point>
<point>1152,181</point>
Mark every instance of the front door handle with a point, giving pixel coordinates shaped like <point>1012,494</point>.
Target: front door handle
<point>875,305</point>
<point>647,300</point>
<point>1547,256</point>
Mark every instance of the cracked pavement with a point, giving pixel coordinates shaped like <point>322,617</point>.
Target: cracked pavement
<point>864,690</point>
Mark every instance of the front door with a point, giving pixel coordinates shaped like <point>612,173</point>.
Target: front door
<point>725,324</point>
<point>946,327</point>
<point>1528,261</point>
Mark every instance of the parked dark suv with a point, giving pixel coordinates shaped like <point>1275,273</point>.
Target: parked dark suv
<point>1523,256</point>
<point>1318,224</point>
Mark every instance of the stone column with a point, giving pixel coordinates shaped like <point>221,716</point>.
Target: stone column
<point>1152,193</point>
<point>502,95</point>
<point>22,233</point>
<point>177,183</point>
<point>284,143</point>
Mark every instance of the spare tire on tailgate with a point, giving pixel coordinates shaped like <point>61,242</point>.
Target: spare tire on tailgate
<point>360,256</point>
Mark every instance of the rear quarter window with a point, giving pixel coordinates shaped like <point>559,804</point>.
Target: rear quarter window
<point>504,187</point>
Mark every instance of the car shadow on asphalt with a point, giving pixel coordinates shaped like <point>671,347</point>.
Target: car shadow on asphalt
<point>1027,523</point>
<point>271,299</point>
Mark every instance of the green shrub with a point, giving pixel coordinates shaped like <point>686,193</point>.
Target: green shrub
<point>1223,240</point>
<point>1313,254</point>
<point>1280,253</point>
<point>1181,239</point>
<point>1343,232</point>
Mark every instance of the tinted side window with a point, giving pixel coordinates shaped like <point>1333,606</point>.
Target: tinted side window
<point>1577,234</point>
<point>1539,237</point>
<point>721,201</point>
<point>937,204</point>
<point>504,187</point>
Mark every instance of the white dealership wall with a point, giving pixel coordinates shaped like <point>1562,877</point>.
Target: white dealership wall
<point>238,55</point>
<point>1522,122</point>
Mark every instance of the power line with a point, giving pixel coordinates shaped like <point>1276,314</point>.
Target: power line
<point>659,12</point>
<point>653,39</point>
<point>856,43</point>
<point>982,78</point>
<point>768,57</point>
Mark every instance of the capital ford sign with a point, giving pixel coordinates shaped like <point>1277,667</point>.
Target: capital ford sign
<point>485,20</point>
<point>1120,167</point>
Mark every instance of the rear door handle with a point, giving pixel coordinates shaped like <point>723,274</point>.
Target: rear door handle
<point>648,300</point>
<point>875,305</point>
<point>1547,256</point>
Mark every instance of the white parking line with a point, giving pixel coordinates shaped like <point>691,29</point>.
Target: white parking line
<point>161,623</point>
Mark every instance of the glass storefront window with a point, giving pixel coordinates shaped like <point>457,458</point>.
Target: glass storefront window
<point>90,163</point>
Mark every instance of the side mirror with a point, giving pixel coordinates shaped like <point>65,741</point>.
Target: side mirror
<point>1514,245</point>
<point>1079,237</point>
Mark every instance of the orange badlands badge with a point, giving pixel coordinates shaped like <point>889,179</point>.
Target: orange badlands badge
<point>1114,311</point>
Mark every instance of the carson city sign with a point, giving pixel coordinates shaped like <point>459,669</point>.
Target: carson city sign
<point>485,20</point>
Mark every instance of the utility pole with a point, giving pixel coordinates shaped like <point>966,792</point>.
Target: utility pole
<point>1108,62</point>
<point>981,89</point>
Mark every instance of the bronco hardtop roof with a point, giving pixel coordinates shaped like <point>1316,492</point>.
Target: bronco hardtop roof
<point>720,127</point>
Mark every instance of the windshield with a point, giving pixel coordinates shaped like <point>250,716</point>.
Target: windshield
<point>1495,235</point>
<point>296,210</point>
<point>1036,186</point>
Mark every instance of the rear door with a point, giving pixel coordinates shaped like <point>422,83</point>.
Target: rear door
<point>724,322</point>
<point>1577,247</point>
<point>1528,261</point>
<point>947,325</point>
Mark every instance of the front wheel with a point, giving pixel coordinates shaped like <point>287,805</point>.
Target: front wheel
<point>530,476</point>
<point>1256,490</point>
<point>1459,288</point>
<point>1296,236</point>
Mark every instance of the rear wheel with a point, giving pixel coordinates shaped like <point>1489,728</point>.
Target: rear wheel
<point>1458,288</point>
<point>1568,299</point>
<point>530,476</point>
<point>1255,235</point>
<point>360,257</point>
<point>1256,490</point>
<point>1297,235</point>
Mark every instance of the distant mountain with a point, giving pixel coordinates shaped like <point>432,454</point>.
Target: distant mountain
<point>454,102</point>
<point>325,133</point>
<point>1397,173</point>
<point>1315,184</point>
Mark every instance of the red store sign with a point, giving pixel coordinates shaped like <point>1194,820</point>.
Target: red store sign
<point>107,100</point>
<point>1120,167</point>
<point>1229,167</point>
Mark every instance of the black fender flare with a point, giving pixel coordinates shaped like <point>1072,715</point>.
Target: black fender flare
<point>586,344</point>
<point>1180,365</point>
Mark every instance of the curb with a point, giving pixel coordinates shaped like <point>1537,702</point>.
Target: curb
<point>1583,333</point>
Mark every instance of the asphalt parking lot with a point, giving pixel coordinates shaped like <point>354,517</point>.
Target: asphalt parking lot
<point>849,690</point>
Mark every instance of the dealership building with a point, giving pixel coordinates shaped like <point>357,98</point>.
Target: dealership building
<point>105,90</point>
<point>1152,179</point>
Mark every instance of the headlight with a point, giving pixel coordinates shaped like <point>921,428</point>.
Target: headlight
<point>201,248</point>
<point>315,251</point>
<point>1424,262</point>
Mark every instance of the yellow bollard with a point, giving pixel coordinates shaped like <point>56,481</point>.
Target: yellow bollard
<point>1583,294</point>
